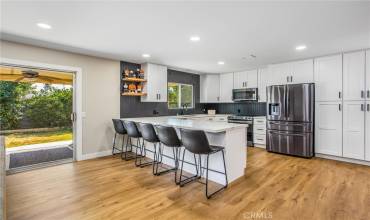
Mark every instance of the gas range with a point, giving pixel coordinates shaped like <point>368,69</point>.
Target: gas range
<point>241,119</point>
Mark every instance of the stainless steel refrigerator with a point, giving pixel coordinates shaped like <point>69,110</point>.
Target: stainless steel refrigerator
<point>290,119</point>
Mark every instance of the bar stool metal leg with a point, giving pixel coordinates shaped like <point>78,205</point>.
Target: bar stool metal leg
<point>183,182</point>
<point>124,153</point>
<point>221,188</point>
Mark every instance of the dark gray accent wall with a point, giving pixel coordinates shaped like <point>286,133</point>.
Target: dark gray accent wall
<point>133,107</point>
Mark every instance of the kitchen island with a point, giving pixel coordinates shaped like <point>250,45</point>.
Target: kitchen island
<point>231,136</point>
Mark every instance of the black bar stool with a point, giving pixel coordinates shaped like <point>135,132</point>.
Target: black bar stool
<point>120,129</point>
<point>168,137</point>
<point>196,142</point>
<point>133,132</point>
<point>148,133</point>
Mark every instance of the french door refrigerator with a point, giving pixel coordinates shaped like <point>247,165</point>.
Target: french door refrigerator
<point>290,119</point>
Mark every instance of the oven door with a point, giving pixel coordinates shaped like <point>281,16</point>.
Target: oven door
<point>244,95</point>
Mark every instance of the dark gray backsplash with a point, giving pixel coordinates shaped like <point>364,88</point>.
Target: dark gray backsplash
<point>133,107</point>
<point>242,108</point>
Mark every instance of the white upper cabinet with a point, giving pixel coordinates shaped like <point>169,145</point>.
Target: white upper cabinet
<point>209,88</point>
<point>262,84</point>
<point>354,76</point>
<point>240,80</point>
<point>368,75</point>
<point>354,130</point>
<point>278,74</point>
<point>252,78</point>
<point>226,87</point>
<point>328,78</point>
<point>328,128</point>
<point>301,71</point>
<point>245,79</point>
<point>156,86</point>
<point>291,73</point>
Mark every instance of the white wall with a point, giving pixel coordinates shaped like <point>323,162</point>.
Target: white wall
<point>101,89</point>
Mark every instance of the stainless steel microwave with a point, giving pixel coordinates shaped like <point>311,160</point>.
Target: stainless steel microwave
<point>245,94</point>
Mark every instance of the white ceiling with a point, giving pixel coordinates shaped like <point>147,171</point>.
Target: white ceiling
<point>228,31</point>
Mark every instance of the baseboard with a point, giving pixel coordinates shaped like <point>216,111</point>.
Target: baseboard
<point>343,159</point>
<point>96,155</point>
<point>260,146</point>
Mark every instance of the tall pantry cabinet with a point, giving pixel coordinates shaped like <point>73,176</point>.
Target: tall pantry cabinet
<point>342,105</point>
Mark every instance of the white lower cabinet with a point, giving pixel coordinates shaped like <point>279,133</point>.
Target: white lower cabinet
<point>354,130</point>
<point>367,132</point>
<point>328,128</point>
<point>259,131</point>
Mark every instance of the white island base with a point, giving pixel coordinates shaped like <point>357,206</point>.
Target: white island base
<point>232,139</point>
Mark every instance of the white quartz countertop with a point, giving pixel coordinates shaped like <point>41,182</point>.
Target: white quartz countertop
<point>189,123</point>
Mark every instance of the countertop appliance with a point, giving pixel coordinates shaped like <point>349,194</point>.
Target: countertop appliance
<point>250,94</point>
<point>290,119</point>
<point>239,119</point>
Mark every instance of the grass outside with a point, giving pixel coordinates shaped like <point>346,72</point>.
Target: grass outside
<point>26,138</point>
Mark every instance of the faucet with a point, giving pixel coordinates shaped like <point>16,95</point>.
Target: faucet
<point>183,109</point>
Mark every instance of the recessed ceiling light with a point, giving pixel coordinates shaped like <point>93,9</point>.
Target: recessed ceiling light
<point>220,62</point>
<point>145,55</point>
<point>44,25</point>
<point>301,47</point>
<point>195,38</point>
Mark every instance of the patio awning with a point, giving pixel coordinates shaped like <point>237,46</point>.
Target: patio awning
<point>17,74</point>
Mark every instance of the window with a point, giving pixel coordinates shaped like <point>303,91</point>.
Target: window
<point>180,95</point>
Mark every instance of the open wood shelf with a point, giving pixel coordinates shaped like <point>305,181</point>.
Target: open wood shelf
<point>133,80</point>
<point>133,94</point>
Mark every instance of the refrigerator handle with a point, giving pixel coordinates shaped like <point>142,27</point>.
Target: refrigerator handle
<point>286,102</point>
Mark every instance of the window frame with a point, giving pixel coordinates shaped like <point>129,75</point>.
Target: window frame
<point>179,95</point>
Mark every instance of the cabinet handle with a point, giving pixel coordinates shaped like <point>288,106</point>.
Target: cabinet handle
<point>287,79</point>
<point>368,93</point>
<point>368,107</point>
<point>340,95</point>
<point>291,78</point>
<point>362,107</point>
<point>362,93</point>
<point>340,107</point>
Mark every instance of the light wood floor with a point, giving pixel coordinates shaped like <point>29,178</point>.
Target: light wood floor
<point>276,186</point>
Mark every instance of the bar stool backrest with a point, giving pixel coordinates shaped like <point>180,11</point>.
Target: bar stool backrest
<point>195,141</point>
<point>168,136</point>
<point>148,132</point>
<point>131,129</point>
<point>118,126</point>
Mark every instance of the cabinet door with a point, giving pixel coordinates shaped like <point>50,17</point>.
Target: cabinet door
<point>226,87</point>
<point>328,128</point>
<point>328,78</point>
<point>161,78</point>
<point>240,80</point>
<point>302,71</point>
<point>368,75</point>
<point>210,88</point>
<point>279,74</point>
<point>367,132</point>
<point>354,76</point>
<point>251,79</point>
<point>262,84</point>
<point>354,130</point>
